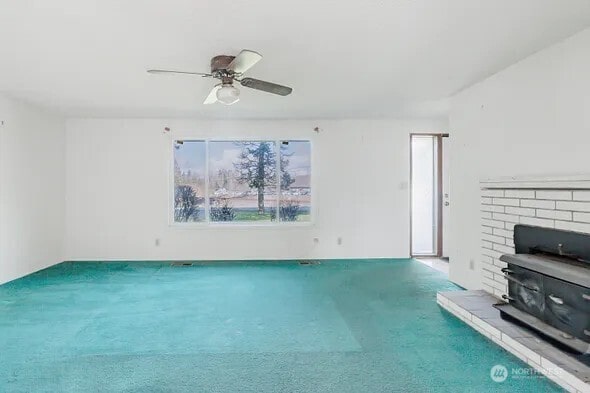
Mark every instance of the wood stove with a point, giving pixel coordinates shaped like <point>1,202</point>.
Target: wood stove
<point>549,284</point>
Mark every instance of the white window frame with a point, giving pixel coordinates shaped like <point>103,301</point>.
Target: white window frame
<point>207,223</point>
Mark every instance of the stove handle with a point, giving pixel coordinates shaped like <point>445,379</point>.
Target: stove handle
<point>585,296</point>
<point>555,299</point>
<point>507,276</point>
<point>506,297</point>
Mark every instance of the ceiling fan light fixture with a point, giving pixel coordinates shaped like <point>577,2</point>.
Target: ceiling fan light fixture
<point>228,94</point>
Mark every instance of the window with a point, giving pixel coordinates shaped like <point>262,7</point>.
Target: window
<point>242,181</point>
<point>189,181</point>
<point>295,201</point>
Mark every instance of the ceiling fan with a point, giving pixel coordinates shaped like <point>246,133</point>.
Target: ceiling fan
<point>229,69</point>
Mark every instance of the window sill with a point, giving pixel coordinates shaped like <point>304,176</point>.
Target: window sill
<point>233,225</point>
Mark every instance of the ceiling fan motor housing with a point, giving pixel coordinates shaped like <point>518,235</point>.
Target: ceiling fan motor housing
<point>219,64</point>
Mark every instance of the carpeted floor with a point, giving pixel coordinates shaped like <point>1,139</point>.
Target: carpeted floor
<point>342,326</point>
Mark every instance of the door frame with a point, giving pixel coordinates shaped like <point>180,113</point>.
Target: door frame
<point>439,193</point>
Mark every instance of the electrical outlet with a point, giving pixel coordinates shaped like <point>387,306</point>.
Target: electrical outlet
<point>157,242</point>
<point>339,241</point>
<point>471,264</point>
<point>316,240</point>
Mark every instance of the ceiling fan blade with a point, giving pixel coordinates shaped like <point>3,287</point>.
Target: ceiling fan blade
<point>266,86</point>
<point>244,61</point>
<point>177,72</point>
<point>212,97</point>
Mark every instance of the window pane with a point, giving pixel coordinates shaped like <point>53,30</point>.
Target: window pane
<point>242,181</point>
<point>189,181</point>
<point>295,204</point>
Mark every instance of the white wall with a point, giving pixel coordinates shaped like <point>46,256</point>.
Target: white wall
<point>32,189</point>
<point>118,188</point>
<point>531,119</point>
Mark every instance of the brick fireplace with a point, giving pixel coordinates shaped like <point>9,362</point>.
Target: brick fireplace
<point>562,203</point>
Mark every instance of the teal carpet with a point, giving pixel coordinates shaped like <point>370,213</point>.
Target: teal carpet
<point>343,326</point>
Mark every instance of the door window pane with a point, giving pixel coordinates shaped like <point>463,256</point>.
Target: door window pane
<point>295,201</point>
<point>424,194</point>
<point>189,181</point>
<point>242,180</point>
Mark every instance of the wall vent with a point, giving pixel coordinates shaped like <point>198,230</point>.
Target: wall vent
<point>182,264</point>
<point>308,262</point>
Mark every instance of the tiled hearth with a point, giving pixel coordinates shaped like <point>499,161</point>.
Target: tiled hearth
<point>475,309</point>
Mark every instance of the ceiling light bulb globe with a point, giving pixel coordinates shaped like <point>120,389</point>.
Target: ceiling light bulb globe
<point>228,95</point>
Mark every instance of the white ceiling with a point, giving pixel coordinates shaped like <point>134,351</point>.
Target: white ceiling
<point>363,58</point>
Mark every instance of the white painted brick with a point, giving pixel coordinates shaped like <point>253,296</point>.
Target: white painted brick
<point>492,208</point>
<point>521,211</point>
<point>563,375</point>
<point>510,242</point>
<point>480,330</point>
<point>554,194</point>
<point>575,206</point>
<point>499,278</point>
<point>460,310</point>
<point>573,226</point>
<point>582,195</point>
<point>488,288</point>
<point>505,217</point>
<point>510,226</point>
<point>494,284</point>
<point>519,194</point>
<point>441,299</point>
<point>493,238</point>
<point>486,244</point>
<point>535,357</point>
<point>499,263</point>
<point>498,293</point>
<point>541,222</point>
<point>506,347</point>
<point>494,276</point>
<point>486,201</point>
<point>555,214</point>
<point>486,259</point>
<point>503,232</point>
<point>492,223</point>
<point>515,352</point>
<point>582,217</point>
<point>486,215</point>
<point>492,269</point>
<point>506,201</point>
<point>492,193</point>
<point>486,230</point>
<point>492,253</point>
<point>487,274</point>
<point>549,365</point>
<point>503,249</point>
<point>537,203</point>
<point>486,326</point>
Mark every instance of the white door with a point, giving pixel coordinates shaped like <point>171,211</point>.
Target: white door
<point>446,202</point>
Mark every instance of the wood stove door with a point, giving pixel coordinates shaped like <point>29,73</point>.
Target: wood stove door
<point>525,290</point>
<point>568,307</point>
